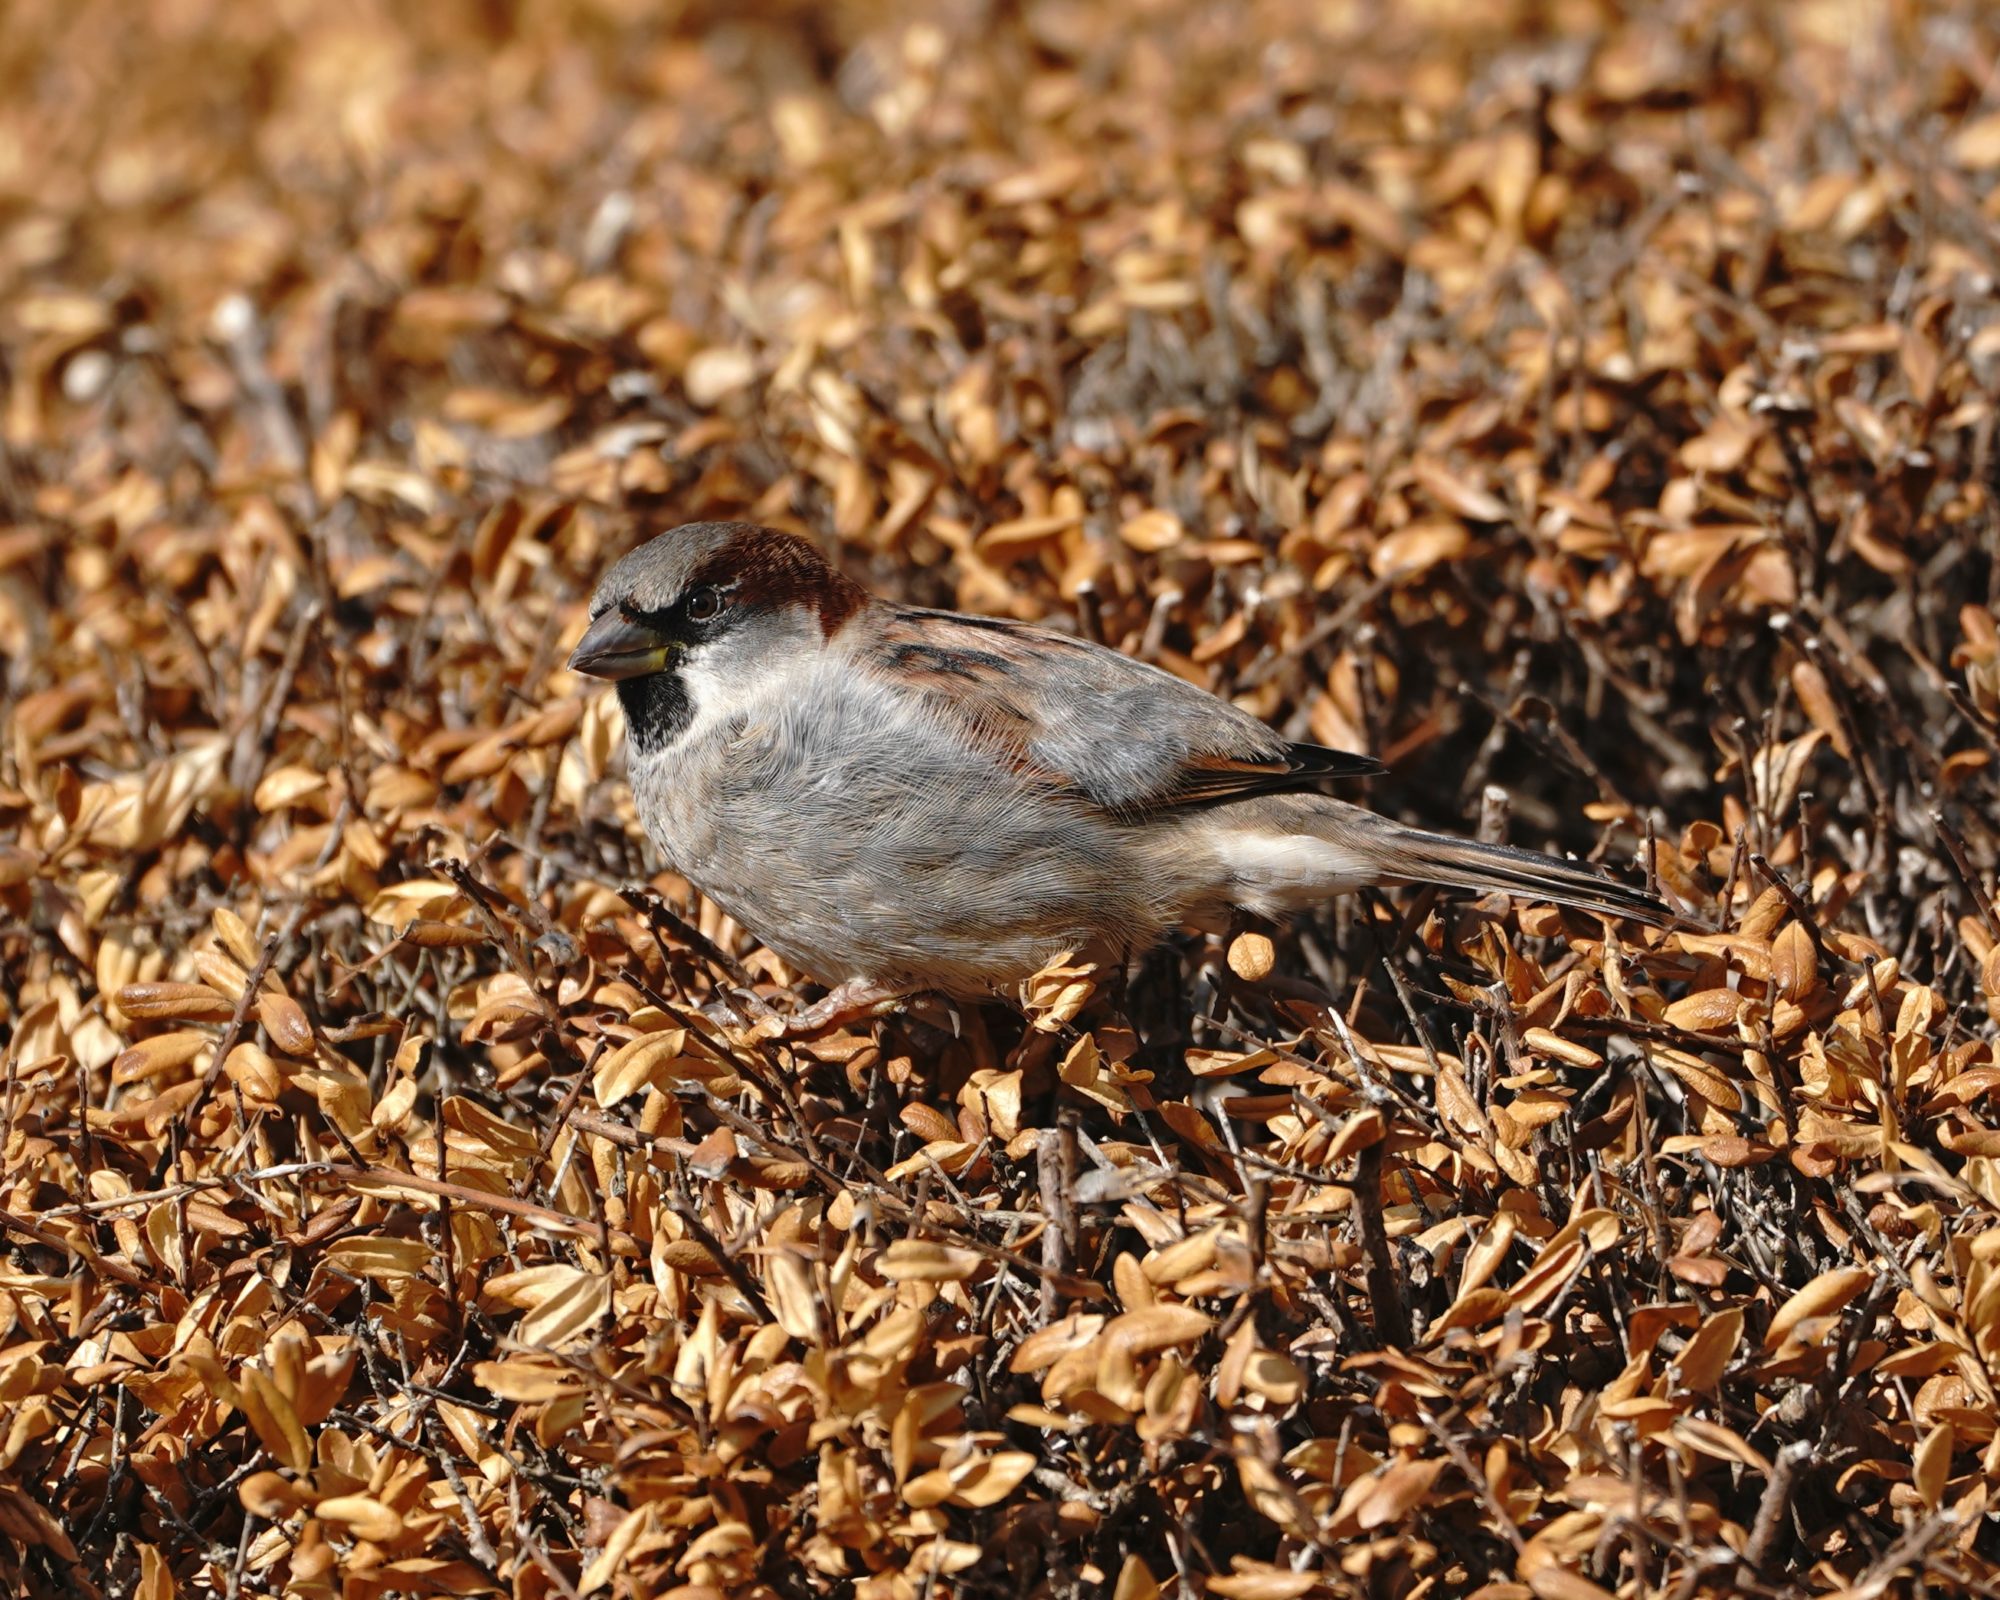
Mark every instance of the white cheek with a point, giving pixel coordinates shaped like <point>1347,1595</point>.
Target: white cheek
<point>743,677</point>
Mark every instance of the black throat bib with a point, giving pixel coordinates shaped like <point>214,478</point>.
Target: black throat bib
<point>657,708</point>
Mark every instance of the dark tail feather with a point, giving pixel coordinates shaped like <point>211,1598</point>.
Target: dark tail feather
<point>1421,857</point>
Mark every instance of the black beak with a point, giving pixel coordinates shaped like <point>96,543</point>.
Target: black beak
<point>615,647</point>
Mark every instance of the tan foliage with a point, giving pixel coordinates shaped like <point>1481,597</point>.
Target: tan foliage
<point>400,1196</point>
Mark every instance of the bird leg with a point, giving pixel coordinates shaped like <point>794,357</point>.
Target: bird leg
<point>856,1000</point>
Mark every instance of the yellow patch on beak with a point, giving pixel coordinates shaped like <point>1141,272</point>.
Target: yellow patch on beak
<point>615,647</point>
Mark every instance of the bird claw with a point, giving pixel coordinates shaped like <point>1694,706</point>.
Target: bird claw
<point>857,1000</point>
<point>739,1010</point>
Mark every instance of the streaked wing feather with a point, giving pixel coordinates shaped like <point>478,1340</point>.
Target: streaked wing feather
<point>1125,736</point>
<point>1206,779</point>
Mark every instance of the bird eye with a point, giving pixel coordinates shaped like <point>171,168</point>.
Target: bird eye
<point>704,604</point>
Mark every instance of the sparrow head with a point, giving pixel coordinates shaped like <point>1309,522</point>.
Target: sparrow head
<point>710,600</point>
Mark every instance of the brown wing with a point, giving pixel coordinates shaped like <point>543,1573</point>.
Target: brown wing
<point>1121,734</point>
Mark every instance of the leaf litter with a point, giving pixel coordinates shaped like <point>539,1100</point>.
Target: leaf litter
<point>1589,413</point>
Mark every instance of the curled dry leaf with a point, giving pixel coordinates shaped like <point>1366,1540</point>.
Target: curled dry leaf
<point>922,1261</point>
<point>1152,531</point>
<point>173,1002</point>
<point>285,1021</point>
<point>1822,1297</point>
<point>1252,956</point>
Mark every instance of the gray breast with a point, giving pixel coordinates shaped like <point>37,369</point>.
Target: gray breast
<point>858,834</point>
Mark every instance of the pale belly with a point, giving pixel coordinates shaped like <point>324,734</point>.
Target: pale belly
<point>899,857</point>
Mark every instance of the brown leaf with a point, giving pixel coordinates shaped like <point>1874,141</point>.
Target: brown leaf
<point>285,1020</point>
<point>1706,1011</point>
<point>173,1002</point>
<point>1707,1354</point>
<point>1822,1297</point>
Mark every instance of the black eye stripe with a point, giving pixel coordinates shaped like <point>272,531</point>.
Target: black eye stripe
<point>658,619</point>
<point>702,603</point>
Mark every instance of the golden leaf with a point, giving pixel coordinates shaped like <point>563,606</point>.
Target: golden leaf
<point>1822,1297</point>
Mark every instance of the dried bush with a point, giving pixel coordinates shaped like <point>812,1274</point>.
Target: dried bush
<point>1591,404</point>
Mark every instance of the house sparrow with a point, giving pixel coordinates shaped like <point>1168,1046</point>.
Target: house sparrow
<point>899,800</point>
